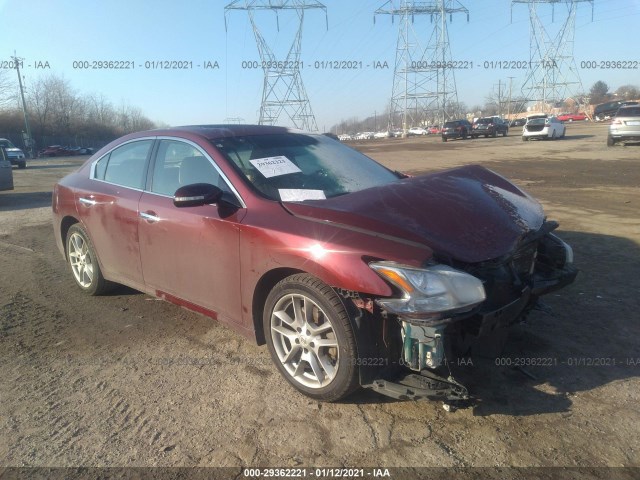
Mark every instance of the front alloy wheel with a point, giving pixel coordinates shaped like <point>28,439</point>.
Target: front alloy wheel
<point>310,338</point>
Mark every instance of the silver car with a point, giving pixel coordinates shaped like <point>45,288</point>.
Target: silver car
<point>625,125</point>
<point>6,172</point>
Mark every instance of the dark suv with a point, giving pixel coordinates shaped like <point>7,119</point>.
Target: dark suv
<point>489,126</point>
<point>456,129</point>
<point>604,111</point>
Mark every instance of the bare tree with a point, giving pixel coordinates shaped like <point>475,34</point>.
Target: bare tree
<point>7,90</point>
<point>628,92</point>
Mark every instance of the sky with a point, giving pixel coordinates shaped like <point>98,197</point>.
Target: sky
<point>54,34</point>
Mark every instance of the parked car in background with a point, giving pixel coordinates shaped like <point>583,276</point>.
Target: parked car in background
<point>13,153</point>
<point>456,129</point>
<point>6,171</point>
<point>571,117</point>
<point>434,130</point>
<point>542,127</point>
<point>605,111</point>
<point>518,122</point>
<point>489,127</point>
<point>417,131</point>
<point>56,151</point>
<point>309,246</point>
<point>88,151</point>
<point>382,135</point>
<point>625,125</point>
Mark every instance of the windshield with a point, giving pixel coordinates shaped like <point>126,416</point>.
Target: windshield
<point>6,143</point>
<point>485,121</point>
<point>298,167</point>
<point>537,121</point>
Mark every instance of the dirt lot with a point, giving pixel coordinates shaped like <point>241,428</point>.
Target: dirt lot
<point>125,380</point>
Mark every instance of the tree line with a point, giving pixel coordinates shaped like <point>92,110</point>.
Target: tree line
<point>60,114</point>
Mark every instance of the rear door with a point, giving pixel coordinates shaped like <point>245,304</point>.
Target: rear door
<point>109,209</point>
<point>192,252</point>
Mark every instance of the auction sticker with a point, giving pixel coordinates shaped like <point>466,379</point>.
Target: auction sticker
<point>275,166</point>
<point>300,195</point>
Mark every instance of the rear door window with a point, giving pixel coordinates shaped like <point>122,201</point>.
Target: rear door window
<point>126,165</point>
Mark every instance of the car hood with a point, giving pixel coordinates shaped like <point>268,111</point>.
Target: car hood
<point>469,214</point>
<point>12,150</point>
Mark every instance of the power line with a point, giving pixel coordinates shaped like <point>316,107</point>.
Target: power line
<point>424,86</point>
<point>552,76</point>
<point>283,91</point>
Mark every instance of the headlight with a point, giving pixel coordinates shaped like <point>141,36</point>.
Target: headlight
<point>430,293</point>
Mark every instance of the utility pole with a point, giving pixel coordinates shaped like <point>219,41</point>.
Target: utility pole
<point>28,142</point>
<point>509,104</point>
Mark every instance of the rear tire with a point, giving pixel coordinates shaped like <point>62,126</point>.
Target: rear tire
<point>83,262</point>
<point>310,338</point>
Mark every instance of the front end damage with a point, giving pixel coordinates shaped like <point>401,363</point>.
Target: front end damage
<point>422,346</point>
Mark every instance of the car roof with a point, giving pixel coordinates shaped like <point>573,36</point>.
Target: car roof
<point>222,130</point>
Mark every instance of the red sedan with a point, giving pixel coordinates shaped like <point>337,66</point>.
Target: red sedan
<point>351,273</point>
<point>571,117</point>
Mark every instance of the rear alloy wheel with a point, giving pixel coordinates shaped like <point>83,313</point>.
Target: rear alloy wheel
<point>309,335</point>
<point>84,263</point>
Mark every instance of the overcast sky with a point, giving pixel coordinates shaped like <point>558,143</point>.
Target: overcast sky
<point>62,32</point>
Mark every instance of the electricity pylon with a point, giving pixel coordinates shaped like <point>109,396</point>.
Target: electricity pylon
<point>283,90</point>
<point>424,85</point>
<point>552,76</point>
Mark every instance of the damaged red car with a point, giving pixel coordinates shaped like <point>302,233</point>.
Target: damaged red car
<point>352,274</point>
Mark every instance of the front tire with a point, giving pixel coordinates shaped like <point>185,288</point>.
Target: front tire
<point>83,262</point>
<point>22,164</point>
<point>310,338</point>
<point>610,141</point>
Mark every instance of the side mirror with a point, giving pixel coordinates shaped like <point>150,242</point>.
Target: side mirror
<point>196,194</point>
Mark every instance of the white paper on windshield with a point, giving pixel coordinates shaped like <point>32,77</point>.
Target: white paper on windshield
<point>275,166</point>
<point>300,195</point>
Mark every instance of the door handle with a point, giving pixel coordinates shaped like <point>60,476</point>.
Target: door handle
<point>87,201</point>
<point>150,216</point>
